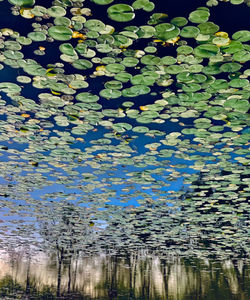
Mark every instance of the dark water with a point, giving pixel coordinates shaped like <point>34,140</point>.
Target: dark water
<point>135,277</point>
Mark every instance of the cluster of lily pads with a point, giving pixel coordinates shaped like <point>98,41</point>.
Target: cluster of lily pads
<point>121,113</point>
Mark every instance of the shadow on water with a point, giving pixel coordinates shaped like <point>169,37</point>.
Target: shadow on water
<point>136,277</point>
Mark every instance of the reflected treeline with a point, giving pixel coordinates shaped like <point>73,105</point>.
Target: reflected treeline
<point>138,276</point>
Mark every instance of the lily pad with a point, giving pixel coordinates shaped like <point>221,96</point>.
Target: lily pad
<point>60,33</point>
<point>206,50</point>
<point>199,16</point>
<point>121,12</point>
<point>82,64</point>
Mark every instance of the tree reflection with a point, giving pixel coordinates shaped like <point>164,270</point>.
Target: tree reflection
<point>66,230</point>
<point>136,277</point>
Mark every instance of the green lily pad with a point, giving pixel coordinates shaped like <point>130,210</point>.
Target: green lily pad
<point>179,21</point>
<point>166,31</point>
<point>123,76</point>
<point>37,36</point>
<point>87,97</point>
<point>110,94</point>
<point>113,85</point>
<point>199,16</point>
<point>56,11</point>
<point>230,67</point>
<point>242,56</point>
<point>242,36</point>
<point>189,32</point>
<point>208,28</point>
<point>67,49</point>
<point>24,40</point>
<point>82,64</point>
<point>150,60</point>
<point>236,2</point>
<point>143,4</point>
<point>206,50</point>
<point>148,31</point>
<point>121,12</point>
<point>62,21</point>
<point>142,79</point>
<point>60,33</point>
<point>95,25</point>
<point>103,2</point>
<point>115,68</point>
<point>23,3</point>
<point>130,61</point>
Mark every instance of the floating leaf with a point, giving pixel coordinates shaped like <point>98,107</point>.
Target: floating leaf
<point>199,16</point>
<point>206,50</point>
<point>121,12</point>
<point>60,33</point>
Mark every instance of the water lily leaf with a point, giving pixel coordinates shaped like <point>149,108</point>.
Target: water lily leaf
<point>199,16</point>
<point>191,87</point>
<point>102,2</point>
<point>233,47</point>
<point>23,3</point>
<point>23,79</point>
<point>60,33</point>
<point>103,48</point>
<point>208,28</point>
<point>123,76</point>
<point>24,40</point>
<point>37,36</point>
<point>56,11</point>
<point>110,94</point>
<point>230,67</point>
<point>242,56</point>
<point>121,127</point>
<point>115,68</point>
<point>148,31</point>
<point>11,54</point>
<point>238,83</point>
<point>150,60</point>
<point>67,49</point>
<point>62,21</point>
<point>168,60</point>
<point>237,104</point>
<point>166,31</point>
<point>242,36</point>
<point>189,32</point>
<point>113,85</point>
<point>87,97</point>
<point>173,69</point>
<point>130,61</point>
<point>121,12</point>
<point>236,2</point>
<point>184,50</point>
<point>219,84</point>
<point>82,64</point>
<point>140,129</point>
<point>206,50</point>
<point>9,87</point>
<point>179,21</point>
<point>150,49</point>
<point>220,41</point>
<point>38,10</point>
<point>142,79</point>
<point>143,4</point>
<point>95,25</point>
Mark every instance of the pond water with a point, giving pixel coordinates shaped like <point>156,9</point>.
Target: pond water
<point>136,277</point>
<point>124,149</point>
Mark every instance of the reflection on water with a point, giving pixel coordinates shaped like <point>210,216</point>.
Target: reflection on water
<point>134,277</point>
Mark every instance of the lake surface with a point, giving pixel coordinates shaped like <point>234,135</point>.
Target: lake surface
<point>124,149</point>
<point>137,277</point>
